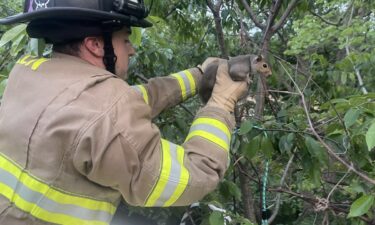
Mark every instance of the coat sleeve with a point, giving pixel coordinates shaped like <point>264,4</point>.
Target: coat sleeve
<point>164,92</point>
<point>127,153</point>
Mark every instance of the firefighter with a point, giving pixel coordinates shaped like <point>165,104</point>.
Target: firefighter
<point>75,138</point>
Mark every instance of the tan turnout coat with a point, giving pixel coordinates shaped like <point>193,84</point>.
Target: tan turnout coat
<point>75,138</point>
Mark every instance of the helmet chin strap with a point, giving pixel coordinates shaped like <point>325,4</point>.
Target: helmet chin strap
<point>109,58</point>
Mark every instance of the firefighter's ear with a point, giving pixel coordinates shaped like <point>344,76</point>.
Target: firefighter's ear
<point>94,45</point>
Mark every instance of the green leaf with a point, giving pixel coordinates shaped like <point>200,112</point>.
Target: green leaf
<point>250,149</point>
<point>361,206</point>
<point>286,143</point>
<point>267,147</point>
<point>37,46</point>
<point>312,169</point>
<point>3,84</point>
<point>351,117</point>
<point>316,150</point>
<point>246,127</point>
<point>370,137</point>
<point>136,36</point>
<point>355,187</point>
<point>18,44</point>
<point>216,218</point>
<point>245,221</point>
<point>234,190</point>
<point>155,19</point>
<point>12,34</point>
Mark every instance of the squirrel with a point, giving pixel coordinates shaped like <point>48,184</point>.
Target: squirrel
<point>240,67</point>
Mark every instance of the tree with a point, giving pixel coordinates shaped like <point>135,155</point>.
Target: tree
<point>315,131</point>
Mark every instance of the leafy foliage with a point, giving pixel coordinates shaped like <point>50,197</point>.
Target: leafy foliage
<point>317,113</point>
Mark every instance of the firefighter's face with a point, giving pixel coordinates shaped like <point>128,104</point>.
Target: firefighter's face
<point>123,50</point>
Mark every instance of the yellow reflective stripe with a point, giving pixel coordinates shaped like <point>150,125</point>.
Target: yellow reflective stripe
<point>48,216</point>
<point>164,175</point>
<point>34,61</point>
<point>184,179</point>
<point>29,62</point>
<point>6,191</point>
<point>37,186</point>
<point>173,178</point>
<point>182,85</point>
<point>211,129</point>
<point>23,59</point>
<point>214,122</point>
<point>191,81</point>
<point>10,166</point>
<point>32,189</point>
<point>210,137</point>
<point>143,91</point>
<point>64,199</point>
<point>187,83</point>
<point>39,62</point>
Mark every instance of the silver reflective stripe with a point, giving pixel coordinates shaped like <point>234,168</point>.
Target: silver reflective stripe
<point>211,129</point>
<point>174,177</point>
<point>138,89</point>
<point>50,205</point>
<point>142,90</point>
<point>184,76</point>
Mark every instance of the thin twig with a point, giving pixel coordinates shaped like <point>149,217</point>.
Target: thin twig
<point>235,163</point>
<point>325,20</point>
<point>285,92</point>
<point>321,91</point>
<point>252,15</point>
<point>215,9</point>
<point>191,218</point>
<point>325,145</point>
<point>285,15</point>
<point>313,200</point>
<point>300,132</point>
<point>278,195</point>
<point>338,183</point>
<point>347,50</point>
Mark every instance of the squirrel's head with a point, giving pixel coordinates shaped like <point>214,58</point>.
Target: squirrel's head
<point>261,66</point>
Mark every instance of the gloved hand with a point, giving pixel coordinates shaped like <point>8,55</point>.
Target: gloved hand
<point>207,62</point>
<point>226,92</point>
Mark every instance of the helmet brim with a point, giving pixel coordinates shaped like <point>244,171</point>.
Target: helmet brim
<point>75,13</point>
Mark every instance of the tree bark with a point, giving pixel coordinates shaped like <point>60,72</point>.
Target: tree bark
<point>215,9</point>
<point>261,85</point>
<point>248,200</point>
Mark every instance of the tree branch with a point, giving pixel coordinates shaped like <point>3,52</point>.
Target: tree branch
<point>215,9</point>
<point>313,200</point>
<point>338,183</point>
<point>324,20</point>
<point>267,33</point>
<point>325,145</point>
<point>356,70</point>
<point>252,15</point>
<point>278,195</point>
<point>283,18</point>
<point>248,200</point>
<point>321,91</point>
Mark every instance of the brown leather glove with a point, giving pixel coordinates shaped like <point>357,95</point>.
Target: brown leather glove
<point>208,61</point>
<point>226,92</point>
